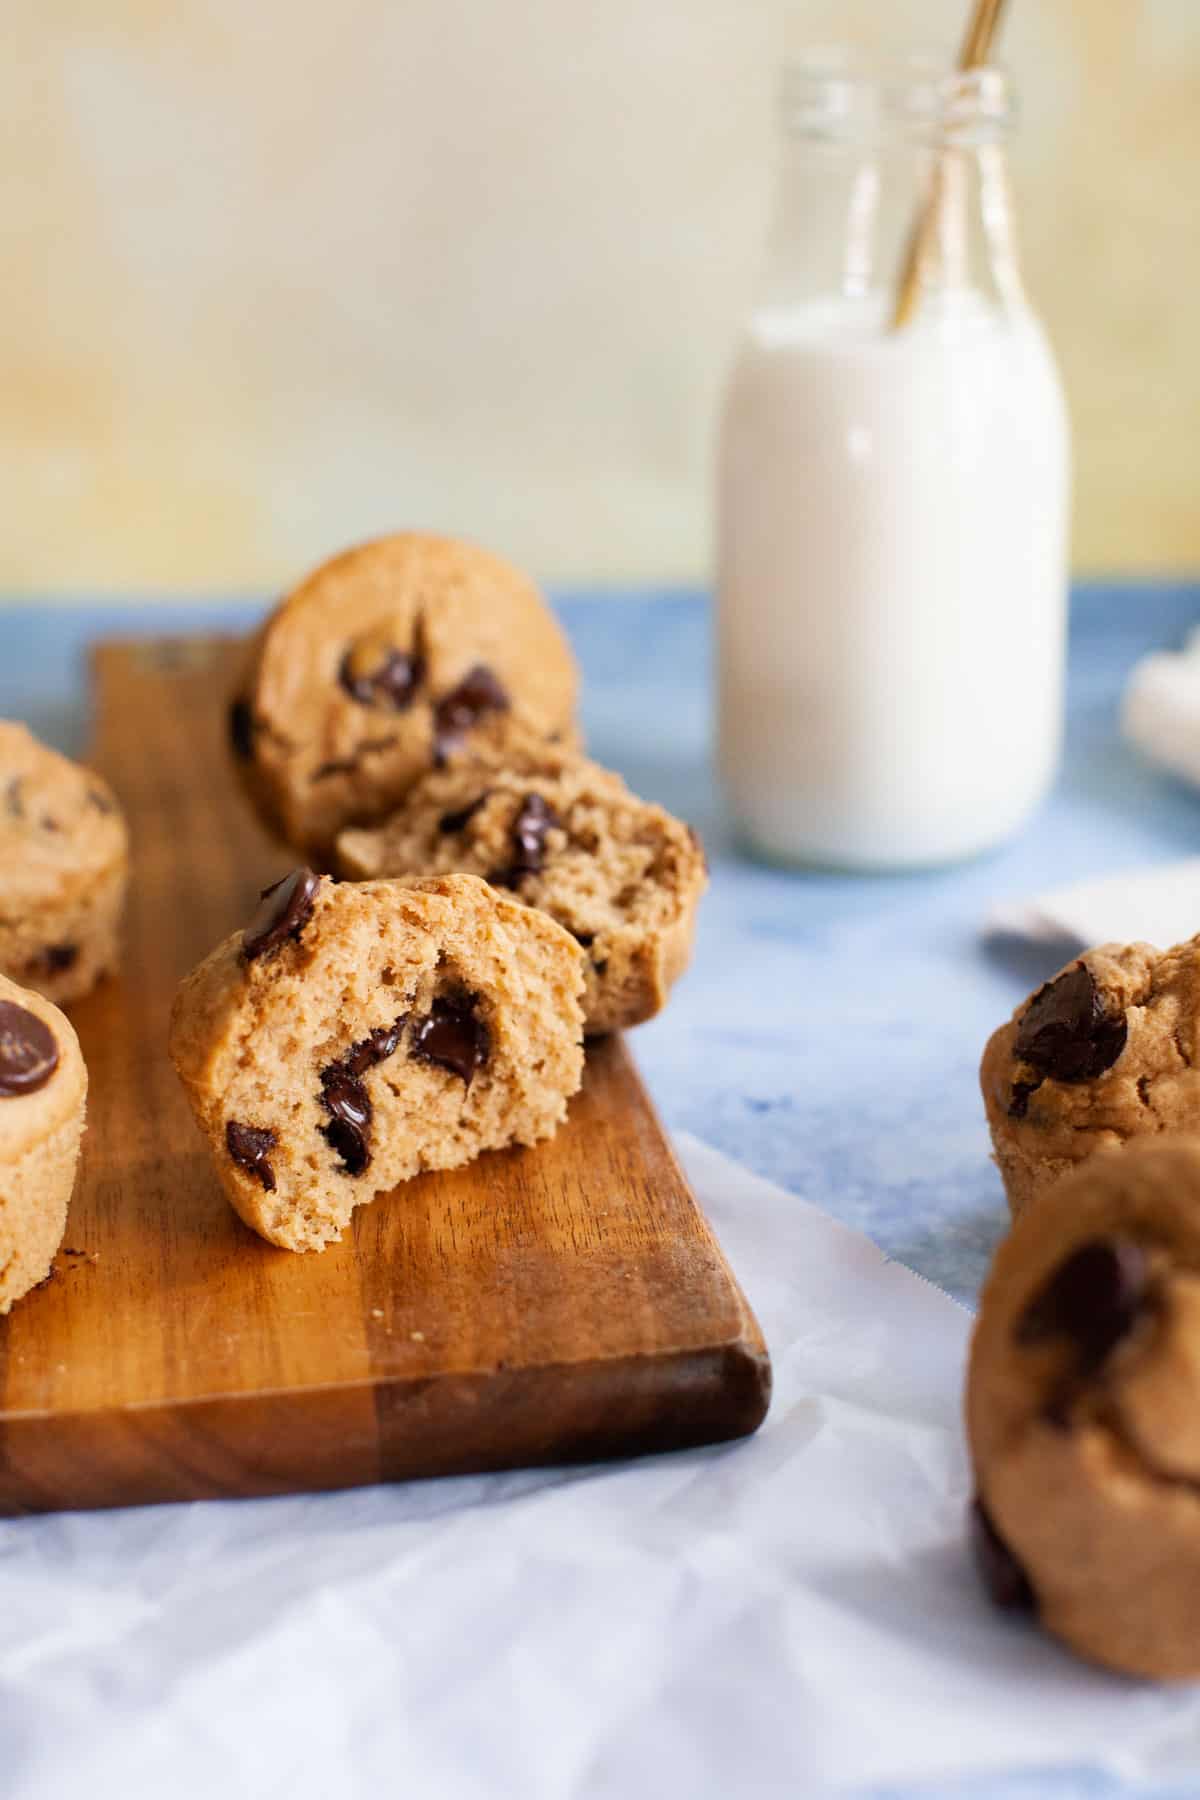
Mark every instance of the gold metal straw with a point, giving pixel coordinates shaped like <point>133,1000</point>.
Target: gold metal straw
<point>977,47</point>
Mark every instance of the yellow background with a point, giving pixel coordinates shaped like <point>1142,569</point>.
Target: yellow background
<point>281,273</point>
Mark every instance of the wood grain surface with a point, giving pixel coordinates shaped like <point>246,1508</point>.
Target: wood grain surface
<point>542,1305</point>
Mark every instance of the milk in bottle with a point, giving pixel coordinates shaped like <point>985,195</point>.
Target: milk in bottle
<point>892,504</point>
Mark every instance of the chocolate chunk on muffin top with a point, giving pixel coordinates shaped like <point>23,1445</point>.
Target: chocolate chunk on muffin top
<point>1105,1053</point>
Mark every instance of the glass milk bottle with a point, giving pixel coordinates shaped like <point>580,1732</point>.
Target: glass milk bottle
<point>892,503</point>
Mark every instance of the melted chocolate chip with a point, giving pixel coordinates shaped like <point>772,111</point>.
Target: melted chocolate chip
<point>283,912</point>
<point>453,1036</point>
<point>376,1047</point>
<point>457,712</point>
<point>249,1146</point>
<point>455,821</point>
<point>49,823</point>
<point>529,829</point>
<point>241,729</point>
<point>57,957</point>
<point>399,678</point>
<point>349,1142</point>
<point>349,1105</point>
<point>28,1052</point>
<point>347,1100</point>
<point>1067,1032</point>
<point>1002,1575</point>
<point>586,938</point>
<point>1092,1299</point>
<point>392,682</point>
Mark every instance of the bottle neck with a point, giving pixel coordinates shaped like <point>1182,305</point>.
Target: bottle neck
<point>851,193</point>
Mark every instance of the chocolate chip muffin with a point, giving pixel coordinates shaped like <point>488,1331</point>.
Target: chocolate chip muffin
<point>402,655</point>
<point>1083,1411</point>
<point>63,868</point>
<point>43,1094</point>
<point>352,1036</point>
<point>563,834</point>
<point>1106,1052</point>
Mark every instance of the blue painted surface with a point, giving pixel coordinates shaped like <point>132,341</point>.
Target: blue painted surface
<point>829,1032</point>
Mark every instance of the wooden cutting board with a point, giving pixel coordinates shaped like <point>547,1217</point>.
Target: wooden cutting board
<point>543,1305</point>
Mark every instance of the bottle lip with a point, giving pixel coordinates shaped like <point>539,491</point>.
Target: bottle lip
<point>840,94</point>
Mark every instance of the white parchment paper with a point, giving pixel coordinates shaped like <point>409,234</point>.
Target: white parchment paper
<point>1156,905</point>
<point>781,1617</point>
<point>1160,708</point>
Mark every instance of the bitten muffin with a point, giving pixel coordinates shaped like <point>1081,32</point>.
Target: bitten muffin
<point>43,1094</point>
<point>563,834</point>
<point>63,866</point>
<point>352,1036</point>
<point>1106,1052</point>
<point>400,655</point>
<point>1083,1411</point>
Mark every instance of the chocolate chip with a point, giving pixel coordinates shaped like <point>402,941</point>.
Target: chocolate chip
<point>1093,1299</point>
<point>586,938</point>
<point>453,1036</point>
<point>1002,1575</point>
<point>28,1052</point>
<point>350,1107</point>
<point>398,679</point>
<point>600,965</point>
<point>14,802</point>
<point>57,957</point>
<point>347,1100</point>
<point>455,821</point>
<point>1067,1032</point>
<point>393,681</point>
<point>457,712</point>
<point>241,729</point>
<point>49,823</point>
<point>376,1047</point>
<point>529,829</point>
<point>249,1146</point>
<point>283,912</point>
<point>530,826</point>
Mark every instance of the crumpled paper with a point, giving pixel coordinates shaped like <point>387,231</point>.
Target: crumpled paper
<point>784,1616</point>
